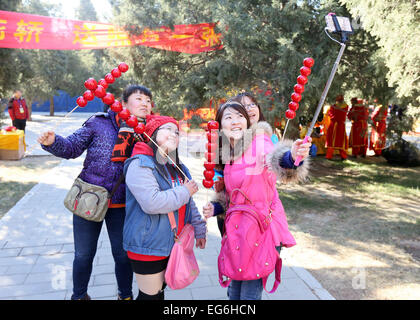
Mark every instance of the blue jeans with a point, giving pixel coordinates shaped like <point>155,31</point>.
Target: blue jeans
<point>86,234</point>
<point>245,290</point>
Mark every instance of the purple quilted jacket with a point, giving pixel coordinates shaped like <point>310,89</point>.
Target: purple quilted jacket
<point>97,135</point>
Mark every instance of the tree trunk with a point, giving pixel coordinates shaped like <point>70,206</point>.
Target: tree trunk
<point>29,105</point>
<point>52,106</point>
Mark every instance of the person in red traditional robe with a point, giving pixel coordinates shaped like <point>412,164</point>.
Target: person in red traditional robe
<point>358,115</point>
<point>378,133</point>
<point>336,132</point>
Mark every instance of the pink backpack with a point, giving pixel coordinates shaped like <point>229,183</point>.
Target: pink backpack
<point>248,251</point>
<point>182,267</point>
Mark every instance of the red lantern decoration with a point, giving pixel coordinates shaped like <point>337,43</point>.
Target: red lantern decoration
<point>208,174</point>
<point>139,129</point>
<point>209,166</point>
<point>293,106</point>
<point>124,114</point>
<point>103,83</point>
<point>299,88</point>
<point>100,91</point>
<point>88,95</point>
<point>296,97</point>
<point>81,102</point>
<point>109,78</point>
<point>290,114</point>
<point>116,73</point>
<point>108,98</point>
<point>123,67</point>
<point>305,71</point>
<point>132,122</point>
<point>308,62</point>
<point>116,106</point>
<point>91,84</point>
<point>208,183</point>
<point>302,80</point>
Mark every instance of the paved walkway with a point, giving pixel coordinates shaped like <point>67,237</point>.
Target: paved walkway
<point>36,246</point>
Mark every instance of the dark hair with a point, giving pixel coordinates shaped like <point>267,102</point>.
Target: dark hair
<point>239,98</point>
<point>133,88</point>
<point>238,106</point>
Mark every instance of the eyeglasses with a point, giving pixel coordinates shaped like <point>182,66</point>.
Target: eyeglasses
<point>176,131</point>
<point>250,106</point>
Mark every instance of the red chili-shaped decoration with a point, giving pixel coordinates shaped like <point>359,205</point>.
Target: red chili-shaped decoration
<point>208,174</point>
<point>299,88</point>
<point>290,114</point>
<point>302,80</point>
<point>139,129</point>
<point>212,125</point>
<point>308,62</point>
<point>100,91</point>
<point>103,83</point>
<point>124,114</point>
<point>81,102</point>
<point>209,166</point>
<point>108,99</point>
<point>208,183</point>
<point>132,121</point>
<point>89,95</point>
<point>109,78</point>
<point>91,84</point>
<point>116,106</point>
<point>116,73</point>
<point>123,67</point>
<point>305,71</point>
<point>293,106</point>
<point>296,97</point>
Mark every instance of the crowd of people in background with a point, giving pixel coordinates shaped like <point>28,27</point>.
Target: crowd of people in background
<point>329,136</point>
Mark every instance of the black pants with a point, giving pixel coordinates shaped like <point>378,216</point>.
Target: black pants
<point>19,124</point>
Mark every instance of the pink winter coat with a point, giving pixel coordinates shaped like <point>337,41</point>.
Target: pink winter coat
<point>255,171</point>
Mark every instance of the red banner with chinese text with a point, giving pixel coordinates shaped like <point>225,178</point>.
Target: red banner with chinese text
<point>28,31</point>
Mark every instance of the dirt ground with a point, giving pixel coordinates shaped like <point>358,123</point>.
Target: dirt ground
<point>357,228</point>
<point>19,176</point>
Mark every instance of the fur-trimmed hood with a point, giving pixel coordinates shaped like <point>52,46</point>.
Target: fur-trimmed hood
<point>272,159</point>
<point>229,153</point>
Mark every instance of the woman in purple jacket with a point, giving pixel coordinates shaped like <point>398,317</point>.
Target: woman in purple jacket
<point>99,135</point>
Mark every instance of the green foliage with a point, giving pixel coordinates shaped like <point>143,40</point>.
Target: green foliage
<point>10,67</point>
<point>394,24</point>
<point>264,45</point>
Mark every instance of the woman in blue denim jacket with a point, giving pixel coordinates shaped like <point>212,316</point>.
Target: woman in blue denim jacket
<point>156,187</point>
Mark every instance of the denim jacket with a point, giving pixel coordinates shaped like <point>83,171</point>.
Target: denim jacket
<point>149,198</point>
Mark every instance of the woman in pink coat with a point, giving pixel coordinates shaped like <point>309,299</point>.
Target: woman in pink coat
<point>251,162</point>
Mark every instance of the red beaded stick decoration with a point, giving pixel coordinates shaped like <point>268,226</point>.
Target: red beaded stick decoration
<point>98,89</point>
<point>298,89</point>
<point>210,154</point>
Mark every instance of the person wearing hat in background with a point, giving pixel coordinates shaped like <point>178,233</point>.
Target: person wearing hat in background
<point>358,115</point>
<point>156,187</point>
<point>18,110</point>
<point>378,133</point>
<point>336,132</point>
<point>108,144</point>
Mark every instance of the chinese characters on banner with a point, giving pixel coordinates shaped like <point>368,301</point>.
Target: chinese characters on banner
<point>27,31</point>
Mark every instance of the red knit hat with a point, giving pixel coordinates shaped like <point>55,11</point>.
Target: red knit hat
<point>153,122</point>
